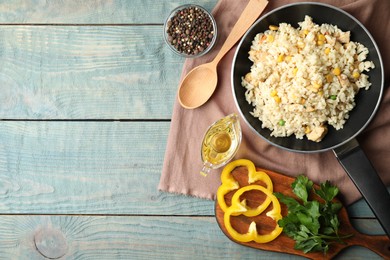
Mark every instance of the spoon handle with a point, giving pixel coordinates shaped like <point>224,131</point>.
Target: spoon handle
<point>246,19</point>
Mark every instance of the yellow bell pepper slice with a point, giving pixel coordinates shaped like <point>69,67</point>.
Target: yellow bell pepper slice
<point>230,184</point>
<point>252,234</point>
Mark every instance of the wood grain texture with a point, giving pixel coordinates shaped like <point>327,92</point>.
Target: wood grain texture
<point>87,168</point>
<point>91,11</point>
<point>89,188</point>
<point>86,72</point>
<point>132,237</point>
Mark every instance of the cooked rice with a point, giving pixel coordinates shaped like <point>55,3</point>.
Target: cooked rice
<point>303,79</point>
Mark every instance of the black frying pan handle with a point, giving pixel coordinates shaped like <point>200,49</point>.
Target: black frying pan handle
<point>366,179</point>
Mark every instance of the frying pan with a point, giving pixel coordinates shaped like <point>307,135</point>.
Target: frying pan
<point>343,142</point>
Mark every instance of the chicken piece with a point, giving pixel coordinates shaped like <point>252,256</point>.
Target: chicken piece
<point>344,37</point>
<point>344,81</point>
<point>248,77</point>
<point>317,133</point>
<point>330,40</point>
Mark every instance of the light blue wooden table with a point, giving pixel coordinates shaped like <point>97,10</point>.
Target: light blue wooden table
<point>87,90</point>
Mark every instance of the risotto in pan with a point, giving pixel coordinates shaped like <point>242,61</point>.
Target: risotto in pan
<point>305,79</point>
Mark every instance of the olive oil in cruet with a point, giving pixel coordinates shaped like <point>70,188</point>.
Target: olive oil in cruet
<point>220,143</point>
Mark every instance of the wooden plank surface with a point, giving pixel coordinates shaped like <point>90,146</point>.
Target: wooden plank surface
<point>76,183</point>
<point>86,72</point>
<point>87,168</point>
<point>129,237</point>
<point>91,11</point>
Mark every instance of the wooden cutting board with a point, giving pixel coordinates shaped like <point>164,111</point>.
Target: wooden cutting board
<point>284,244</point>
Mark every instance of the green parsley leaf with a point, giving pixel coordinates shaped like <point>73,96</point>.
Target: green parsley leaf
<point>335,207</point>
<point>312,224</point>
<point>301,187</point>
<point>291,203</point>
<point>327,191</point>
<point>313,210</point>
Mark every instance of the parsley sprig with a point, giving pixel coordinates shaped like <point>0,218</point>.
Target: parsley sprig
<point>312,224</point>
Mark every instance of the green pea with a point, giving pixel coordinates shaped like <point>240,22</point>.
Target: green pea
<point>281,122</point>
<point>333,97</point>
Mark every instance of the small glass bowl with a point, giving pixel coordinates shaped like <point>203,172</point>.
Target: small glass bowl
<point>183,54</point>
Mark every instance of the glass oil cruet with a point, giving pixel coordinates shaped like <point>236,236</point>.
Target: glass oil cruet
<point>220,143</point>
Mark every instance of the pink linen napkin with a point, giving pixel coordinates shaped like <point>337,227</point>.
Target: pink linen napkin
<point>182,162</point>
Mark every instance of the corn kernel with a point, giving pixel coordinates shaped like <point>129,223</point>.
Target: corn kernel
<point>273,93</point>
<point>295,70</point>
<point>311,88</point>
<point>303,101</point>
<point>270,38</point>
<point>321,37</point>
<point>319,43</point>
<point>277,99</point>
<point>317,85</point>
<point>307,129</point>
<point>306,32</point>
<point>355,74</point>
<point>337,71</point>
<point>280,58</point>
<point>329,78</point>
<point>321,93</point>
<point>288,58</point>
<point>273,27</point>
<point>327,51</point>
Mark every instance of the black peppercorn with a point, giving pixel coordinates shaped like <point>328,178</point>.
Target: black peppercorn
<point>190,31</point>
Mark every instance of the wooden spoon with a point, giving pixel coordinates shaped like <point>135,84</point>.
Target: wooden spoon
<point>284,244</point>
<point>199,84</point>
